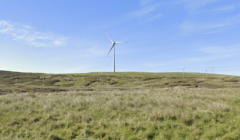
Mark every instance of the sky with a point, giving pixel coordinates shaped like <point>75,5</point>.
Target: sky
<point>61,36</point>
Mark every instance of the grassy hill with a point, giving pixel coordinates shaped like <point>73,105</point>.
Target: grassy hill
<point>119,106</point>
<point>37,82</point>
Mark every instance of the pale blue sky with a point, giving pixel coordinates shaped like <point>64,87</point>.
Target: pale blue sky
<point>61,36</point>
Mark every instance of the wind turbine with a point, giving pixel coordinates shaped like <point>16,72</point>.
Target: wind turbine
<point>113,47</point>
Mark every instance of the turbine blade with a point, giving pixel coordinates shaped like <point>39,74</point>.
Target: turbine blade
<point>110,49</point>
<point>120,42</point>
<point>109,37</point>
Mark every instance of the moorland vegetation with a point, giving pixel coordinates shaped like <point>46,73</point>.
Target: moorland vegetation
<point>122,106</point>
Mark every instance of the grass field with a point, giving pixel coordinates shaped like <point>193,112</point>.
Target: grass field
<point>138,106</point>
<point>11,82</point>
<point>135,114</point>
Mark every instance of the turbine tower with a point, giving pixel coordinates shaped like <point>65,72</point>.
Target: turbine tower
<point>113,47</point>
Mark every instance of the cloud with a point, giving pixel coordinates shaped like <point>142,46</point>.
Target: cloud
<point>142,12</point>
<point>195,4</point>
<point>203,6</point>
<point>153,18</point>
<point>85,50</point>
<point>210,27</point>
<point>217,10</point>
<point>229,50</point>
<point>212,50</point>
<point>144,2</point>
<point>224,9</point>
<point>210,53</point>
<point>29,35</point>
<point>60,41</point>
<point>96,51</point>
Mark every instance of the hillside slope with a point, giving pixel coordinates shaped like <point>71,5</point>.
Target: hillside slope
<point>40,82</point>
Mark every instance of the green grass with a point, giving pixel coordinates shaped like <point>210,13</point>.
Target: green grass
<point>175,113</point>
<point>27,82</point>
<point>127,105</point>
